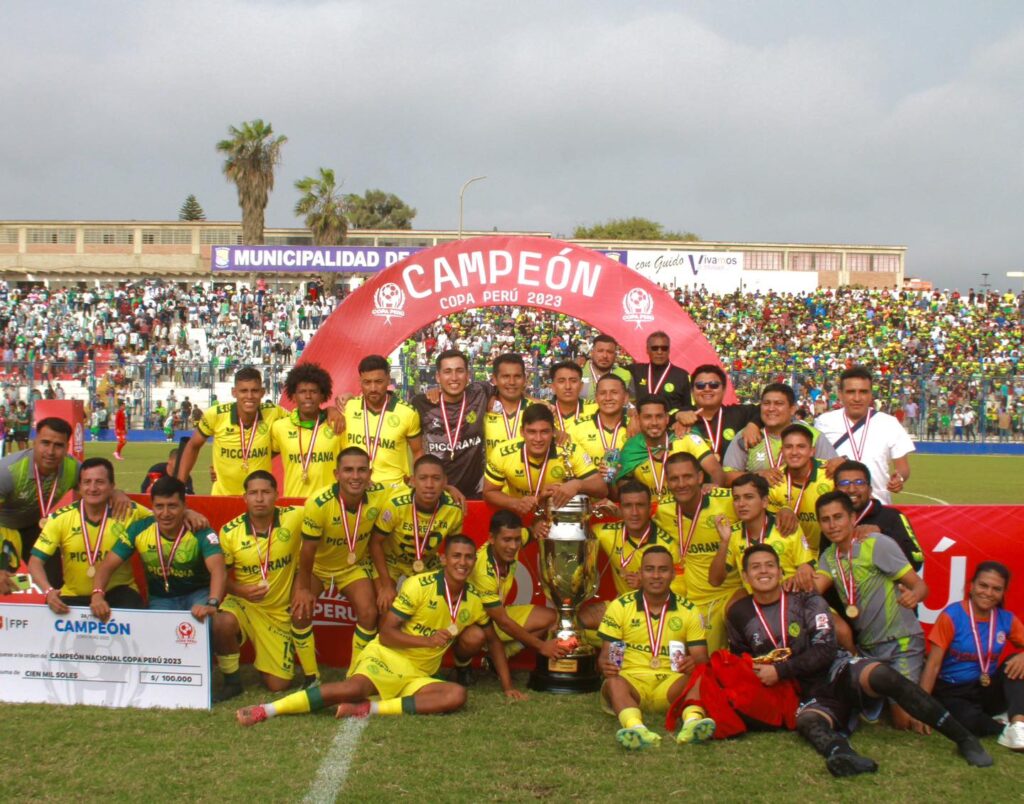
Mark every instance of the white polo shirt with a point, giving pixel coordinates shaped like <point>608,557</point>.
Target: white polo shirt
<point>884,441</point>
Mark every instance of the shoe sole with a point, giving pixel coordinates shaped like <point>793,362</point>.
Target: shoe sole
<point>844,765</point>
<point>700,732</point>
<point>633,741</point>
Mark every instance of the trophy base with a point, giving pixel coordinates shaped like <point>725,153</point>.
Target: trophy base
<point>568,676</point>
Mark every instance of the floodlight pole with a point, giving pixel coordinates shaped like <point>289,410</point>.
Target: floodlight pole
<point>462,191</point>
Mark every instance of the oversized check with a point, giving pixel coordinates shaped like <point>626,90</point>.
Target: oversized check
<point>140,659</point>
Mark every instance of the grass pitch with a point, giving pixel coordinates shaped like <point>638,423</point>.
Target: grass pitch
<point>548,747</point>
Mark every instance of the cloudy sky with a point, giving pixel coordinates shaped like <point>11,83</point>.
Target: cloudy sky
<point>889,123</point>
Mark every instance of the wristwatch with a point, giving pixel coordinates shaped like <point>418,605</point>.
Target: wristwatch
<point>213,602</point>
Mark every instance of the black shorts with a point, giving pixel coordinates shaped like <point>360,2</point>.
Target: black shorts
<point>841,697</point>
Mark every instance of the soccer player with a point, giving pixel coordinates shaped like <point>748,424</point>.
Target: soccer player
<point>778,410</point>
<point>165,469</point>
<point>494,574</point>
<point>382,424</point>
<point>976,663</point>
<point>603,435</point>
<point>241,433</point>
<point>601,364</point>
<point>120,430</point>
<point>399,665</point>
<point>82,534</point>
<point>860,432</point>
<point>503,420</point>
<point>690,519</point>
<point>566,383</point>
<point>336,528</point>
<point>410,527</point>
<point>184,567</point>
<point>453,426</point>
<point>524,474</point>
<point>719,424</point>
<point>804,480</point>
<point>660,641</point>
<point>261,548</point>
<point>854,480</point>
<point>661,378</point>
<point>878,589</point>
<point>750,501</point>
<point>644,455</point>
<point>305,439</point>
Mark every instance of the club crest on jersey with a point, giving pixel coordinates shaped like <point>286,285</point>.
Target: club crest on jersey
<point>794,629</point>
<point>283,535</point>
<point>393,420</point>
<point>675,623</point>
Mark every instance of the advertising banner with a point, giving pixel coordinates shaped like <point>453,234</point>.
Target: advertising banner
<point>138,659</point>
<point>718,271</point>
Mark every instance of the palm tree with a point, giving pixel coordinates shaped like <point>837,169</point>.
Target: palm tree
<point>323,206</point>
<point>251,155</point>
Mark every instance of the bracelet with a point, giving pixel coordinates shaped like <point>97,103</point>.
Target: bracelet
<point>47,592</point>
<point>100,592</point>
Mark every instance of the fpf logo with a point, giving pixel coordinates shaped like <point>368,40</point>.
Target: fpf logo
<point>388,302</point>
<point>11,624</point>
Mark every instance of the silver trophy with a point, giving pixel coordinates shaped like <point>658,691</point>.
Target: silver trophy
<point>568,572</point>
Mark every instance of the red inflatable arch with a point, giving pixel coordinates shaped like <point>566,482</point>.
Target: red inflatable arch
<point>493,271</point>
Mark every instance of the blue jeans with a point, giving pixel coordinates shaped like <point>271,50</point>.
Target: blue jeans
<point>181,602</point>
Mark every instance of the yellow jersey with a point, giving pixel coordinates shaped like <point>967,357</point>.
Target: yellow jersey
<point>276,552</point>
<point>10,550</point>
<point>294,441</point>
<point>597,440</point>
<point>626,620</point>
<point>792,550</point>
<point>221,423</point>
<point>396,522</point>
<point>492,586</point>
<point>583,409</point>
<point>63,533</point>
<point>625,553</point>
<point>801,498</point>
<point>506,467</point>
<point>653,476</point>
<point>322,522</point>
<point>499,427</point>
<point>387,441</point>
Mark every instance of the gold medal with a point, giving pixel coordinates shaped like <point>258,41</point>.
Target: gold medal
<point>453,629</point>
<point>305,476</point>
<point>91,571</point>
<point>655,662</point>
<point>852,612</point>
<point>245,466</point>
<point>418,566</point>
<point>42,523</point>
<point>351,558</point>
<point>985,679</point>
<point>167,586</point>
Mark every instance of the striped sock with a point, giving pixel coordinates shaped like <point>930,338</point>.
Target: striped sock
<point>229,666</point>
<point>360,639</point>
<point>298,703</point>
<point>305,649</point>
<point>394,706</point>
<point>693,713</point>
<point>630,717</point>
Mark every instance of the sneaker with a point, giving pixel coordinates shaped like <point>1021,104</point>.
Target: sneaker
<point>637,738</point>
<point>975,755</point>
<point>360,710</point>
<point>849,763</point>
<point>251,715</point>
<point>228,691</point>
<point>1013,736</point>
<point>696,730</point>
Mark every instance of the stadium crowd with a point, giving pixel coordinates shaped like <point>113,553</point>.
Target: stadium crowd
<point>762,579</point>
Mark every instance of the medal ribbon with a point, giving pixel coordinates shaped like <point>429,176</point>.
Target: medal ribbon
<point>716,437</point>
<point>91,553</point>
<point>685,546</point>
<point>615,434</point>
<point>656,641</point>
<point>659,479</point>
<point>624,560</point>
<point>452,443</point>
<point>420,546</point>
<point>165,569</point>
<point>760,539</point>
<point>857,449</point>
<point>977,639</point>
<point>247,444</point>
<point>789,492</point>
<point>372,451</point>
<point>511,431</point>
<point>561,418</point>
<point>849,584</point>
<point>653,389</point>
<point>782,620</point>
<point>308,457</point>
<point>864,513</point>
<point>773,462</point>
<point>264,563</point>
<point>497,574</point>
<point>352,537</point>
<point>529,476</point>
<point>453,610</point>
<point>47,509</point>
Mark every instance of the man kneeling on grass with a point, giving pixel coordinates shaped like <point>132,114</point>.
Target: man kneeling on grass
<point>431,610</point>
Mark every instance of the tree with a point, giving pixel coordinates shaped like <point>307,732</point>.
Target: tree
<point>630,229</point>
<point>323,206</point>
<point>191,210</point>
<point>251,155</point>
<point>378,210</point>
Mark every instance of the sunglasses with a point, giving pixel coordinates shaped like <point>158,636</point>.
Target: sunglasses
<point>657,348</point>
<point>714,385</point>
<point>860,481</point>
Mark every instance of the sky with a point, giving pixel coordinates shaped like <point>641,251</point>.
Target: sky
<point>808,122</point>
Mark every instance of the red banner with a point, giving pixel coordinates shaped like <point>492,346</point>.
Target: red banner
<point>492,271</point>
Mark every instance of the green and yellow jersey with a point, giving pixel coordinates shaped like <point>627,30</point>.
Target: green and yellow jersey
<point>792,550</point>
<point>636,461</point>
<point>249,552</point>
<point>423,608</point>
<point>625,620</point>
<point>292,439</point>
<point>63,533</point>
<point>389,452</point>
<point>493,588</point>
<point>187,571</point>
<point>801,498</point>
<point>322,523</point>
<point>221,423</point>
<point>698,543</point>
<point>506,467</point>
<point>500,427</point>
<point>20,506</point>
<point>625,553</point>
<point>395,522</point>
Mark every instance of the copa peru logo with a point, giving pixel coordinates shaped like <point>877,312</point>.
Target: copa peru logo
<point>389,302</point>
<point>637,307</point>
<point>186,633</point>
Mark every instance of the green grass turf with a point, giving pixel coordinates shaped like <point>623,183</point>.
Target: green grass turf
<point>548,747</point>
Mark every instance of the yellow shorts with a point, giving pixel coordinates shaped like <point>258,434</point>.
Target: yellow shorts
<point>712,617</point>
<point>270,635</point>
<point>651,685</point>
<point>341,578</point>
<point>519,615</point>
<point>392,674</point>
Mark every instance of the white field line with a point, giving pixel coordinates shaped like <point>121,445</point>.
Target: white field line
<point>333,770</point>
<point>915,494</point>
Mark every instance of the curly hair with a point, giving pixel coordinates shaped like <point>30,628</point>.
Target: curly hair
<point>308,372</point>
